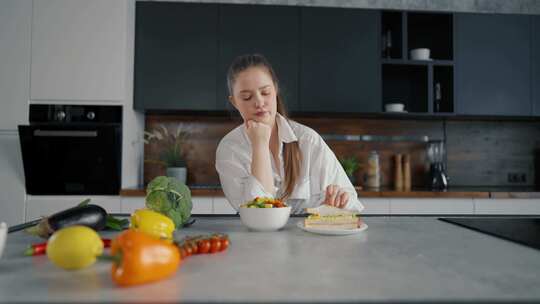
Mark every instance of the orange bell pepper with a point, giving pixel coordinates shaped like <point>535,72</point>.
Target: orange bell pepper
<point>140,258</point>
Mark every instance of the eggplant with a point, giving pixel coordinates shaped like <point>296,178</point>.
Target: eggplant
<point>92,216</point>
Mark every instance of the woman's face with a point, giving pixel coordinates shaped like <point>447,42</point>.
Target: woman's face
<point>254,95</point>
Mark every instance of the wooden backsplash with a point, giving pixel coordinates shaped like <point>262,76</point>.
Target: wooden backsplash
<point>206,133</point>
<point>480,153</point>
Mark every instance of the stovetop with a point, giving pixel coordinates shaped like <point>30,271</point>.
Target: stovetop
<point>522,230</point>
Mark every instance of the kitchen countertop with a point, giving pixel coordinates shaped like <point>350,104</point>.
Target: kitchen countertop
<point>452,192</point>
<point>396,259</point>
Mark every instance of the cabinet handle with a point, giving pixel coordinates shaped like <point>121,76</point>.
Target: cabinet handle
<point>438,97</point>
<point>64,133</point>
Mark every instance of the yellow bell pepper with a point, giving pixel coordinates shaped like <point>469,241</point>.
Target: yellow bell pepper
<point>152,223</point>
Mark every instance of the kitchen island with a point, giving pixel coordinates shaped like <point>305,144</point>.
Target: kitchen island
<point>397,259</point>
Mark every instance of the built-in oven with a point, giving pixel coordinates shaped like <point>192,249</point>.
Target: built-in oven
<point>72,149</point>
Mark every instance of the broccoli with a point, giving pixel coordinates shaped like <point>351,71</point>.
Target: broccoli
<point>170,197</point>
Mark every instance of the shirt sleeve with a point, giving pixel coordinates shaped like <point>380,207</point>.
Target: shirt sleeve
<point>239,186</point>
<point>326,170</point>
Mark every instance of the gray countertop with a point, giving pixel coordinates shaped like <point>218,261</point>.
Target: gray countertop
<point>395,259</point>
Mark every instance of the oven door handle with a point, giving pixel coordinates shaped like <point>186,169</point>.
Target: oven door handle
<point>64,133</point>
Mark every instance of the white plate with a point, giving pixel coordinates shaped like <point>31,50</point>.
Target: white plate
<point>363,226</point>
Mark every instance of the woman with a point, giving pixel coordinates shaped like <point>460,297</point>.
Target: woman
<point>272,156</point>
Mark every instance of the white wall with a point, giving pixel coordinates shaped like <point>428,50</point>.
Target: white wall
<point>15,22</point>
<point>78,50</point>
<point>15,30</point>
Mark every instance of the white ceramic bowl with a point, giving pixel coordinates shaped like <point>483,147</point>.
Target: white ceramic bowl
<point>394,107</point>
<point>420,54</point>
<point>265,219</point>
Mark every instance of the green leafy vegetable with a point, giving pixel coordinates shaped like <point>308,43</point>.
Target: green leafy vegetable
<point>115,223</point>
<point>170,197</point>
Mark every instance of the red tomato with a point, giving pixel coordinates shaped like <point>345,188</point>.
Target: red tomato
<point>182,253</point>
<point>224,244</point>
<point>188,249</point>
<point>204,246</point>
<point>194,247</point>
<point>215,245</point>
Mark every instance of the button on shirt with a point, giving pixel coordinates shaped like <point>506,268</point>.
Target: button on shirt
<point>319,169</point>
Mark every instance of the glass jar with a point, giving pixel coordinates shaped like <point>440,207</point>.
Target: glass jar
<point>373,171</point>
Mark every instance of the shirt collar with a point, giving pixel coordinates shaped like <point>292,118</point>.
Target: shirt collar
<point>285,132</point>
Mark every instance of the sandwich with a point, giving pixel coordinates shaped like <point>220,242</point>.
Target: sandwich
<point>329,217</point>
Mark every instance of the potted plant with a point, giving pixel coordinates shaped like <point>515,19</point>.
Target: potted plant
<point>350,165</point>
<point>172,154</point>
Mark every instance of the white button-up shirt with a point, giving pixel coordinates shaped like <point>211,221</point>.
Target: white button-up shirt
<point>319,169</point>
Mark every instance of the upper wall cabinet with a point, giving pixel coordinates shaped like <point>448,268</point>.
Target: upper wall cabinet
<point>422,80</point>
<point>15,23</point>
<point>269,30</point>
<point>339,60</point>
<point>176,47</point>
<point>78,50</point>
<point>536,64</point>
<point>493,64</point>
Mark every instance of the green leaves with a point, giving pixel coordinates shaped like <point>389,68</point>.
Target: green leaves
<point>116,224</point>
<point>349,164</point>
<point>171,142</point>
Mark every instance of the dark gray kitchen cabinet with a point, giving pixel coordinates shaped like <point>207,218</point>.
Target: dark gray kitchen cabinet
<point>176,46</point>
<point>339,65</point>
<point>272,31</point>
<point>535,47</point>
<point>493,71</point>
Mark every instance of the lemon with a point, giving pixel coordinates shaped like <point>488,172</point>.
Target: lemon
<point>74,247</point>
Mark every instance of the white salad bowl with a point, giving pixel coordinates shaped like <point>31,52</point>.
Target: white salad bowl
<point>265,219</point>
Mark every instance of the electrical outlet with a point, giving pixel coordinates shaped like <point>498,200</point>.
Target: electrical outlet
<point>517,177</point>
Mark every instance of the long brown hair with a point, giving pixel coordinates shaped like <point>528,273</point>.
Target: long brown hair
<point>292,158</point>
